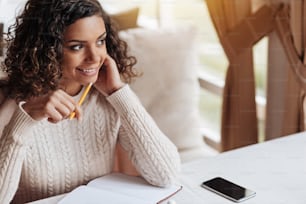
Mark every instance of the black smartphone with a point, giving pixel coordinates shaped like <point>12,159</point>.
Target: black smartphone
<point>228,189</point>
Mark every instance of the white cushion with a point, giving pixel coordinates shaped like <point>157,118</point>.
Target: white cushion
<point>169,88</point>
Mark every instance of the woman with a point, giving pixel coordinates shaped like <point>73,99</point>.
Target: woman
<point>56,48</point>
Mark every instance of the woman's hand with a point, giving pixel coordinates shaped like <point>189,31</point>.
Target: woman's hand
<point>109,79</point>
<point>55,106</point>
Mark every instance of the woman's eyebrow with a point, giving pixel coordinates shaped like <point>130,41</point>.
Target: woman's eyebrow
<point>82,41</point>
<point>103,35</point>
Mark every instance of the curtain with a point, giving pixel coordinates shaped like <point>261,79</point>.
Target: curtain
<point>287,74</point>
<point>238,30</point>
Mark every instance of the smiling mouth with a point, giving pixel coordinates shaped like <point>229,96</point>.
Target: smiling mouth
<point>87,71</point>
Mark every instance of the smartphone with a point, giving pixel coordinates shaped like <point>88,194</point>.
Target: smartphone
<point>228,189</point>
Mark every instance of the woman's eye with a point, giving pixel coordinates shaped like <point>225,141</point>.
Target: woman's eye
<point>101,42</point>
<point>76,47</point>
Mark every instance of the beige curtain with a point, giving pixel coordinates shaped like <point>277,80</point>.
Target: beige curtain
<point>238,30</point>
<point>287,71</point>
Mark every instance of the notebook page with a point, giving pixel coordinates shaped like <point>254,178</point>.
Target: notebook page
<point>89,195</point>
<point>133,186</point>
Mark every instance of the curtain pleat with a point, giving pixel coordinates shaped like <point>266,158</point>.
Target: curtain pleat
<point>289,28</point>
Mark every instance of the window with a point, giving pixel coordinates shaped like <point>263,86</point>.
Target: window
<point>260,52</point>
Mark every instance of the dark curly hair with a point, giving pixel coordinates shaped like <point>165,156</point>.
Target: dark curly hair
<point>35,45</point>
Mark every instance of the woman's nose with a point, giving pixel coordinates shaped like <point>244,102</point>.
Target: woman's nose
<point>92,54</point>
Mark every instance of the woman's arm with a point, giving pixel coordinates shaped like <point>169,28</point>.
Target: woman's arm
<point>12,152</point>
<point>7,108</point>
<point>54,106</point>
<point>152,153</point>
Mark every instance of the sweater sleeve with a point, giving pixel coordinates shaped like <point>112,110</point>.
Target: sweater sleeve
<point>155,157</point>
<point>12,153</point>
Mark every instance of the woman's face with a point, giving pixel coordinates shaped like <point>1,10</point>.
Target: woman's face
<point>84,53</point>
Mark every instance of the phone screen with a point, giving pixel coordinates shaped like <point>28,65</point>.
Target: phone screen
<point>228,189</point>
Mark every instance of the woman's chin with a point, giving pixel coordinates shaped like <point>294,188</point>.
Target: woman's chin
<point>89,80</point>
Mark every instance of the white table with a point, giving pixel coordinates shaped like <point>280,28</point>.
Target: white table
<point>276,170</point>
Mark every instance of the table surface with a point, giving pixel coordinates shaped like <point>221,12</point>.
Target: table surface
<point>275,170</point>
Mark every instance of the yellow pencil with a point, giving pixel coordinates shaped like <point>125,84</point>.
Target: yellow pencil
<point>72,114</point>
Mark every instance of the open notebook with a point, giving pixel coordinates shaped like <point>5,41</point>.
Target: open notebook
<point>118,188</point>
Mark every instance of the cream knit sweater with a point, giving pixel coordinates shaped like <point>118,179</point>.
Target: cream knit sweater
<point>39,159</point>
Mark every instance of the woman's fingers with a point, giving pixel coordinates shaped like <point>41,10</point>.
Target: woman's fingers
<point>78,112</point>
<point>109,79</point>
<point>59,105</point>
<point>55,106</point>
<point>66,105</point>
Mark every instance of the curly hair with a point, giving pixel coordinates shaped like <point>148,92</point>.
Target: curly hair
<point>35,45</point>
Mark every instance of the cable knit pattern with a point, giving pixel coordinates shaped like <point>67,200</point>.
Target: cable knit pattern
<point>41,159</point>
<point>140,137</point>
<point>67,158</point>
